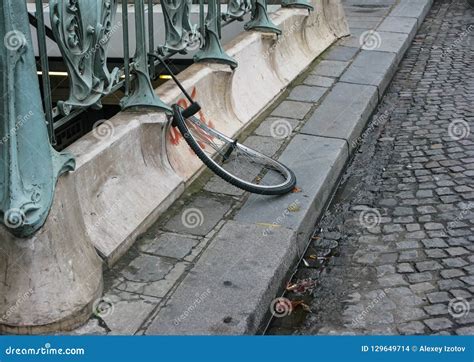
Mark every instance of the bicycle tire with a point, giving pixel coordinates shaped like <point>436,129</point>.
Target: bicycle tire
<point>280,189</point>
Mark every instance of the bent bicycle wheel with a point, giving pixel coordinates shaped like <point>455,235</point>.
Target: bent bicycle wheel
<point>235,163</point>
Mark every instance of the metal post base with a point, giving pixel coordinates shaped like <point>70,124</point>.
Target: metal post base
<point>213,52</point>
<point>260,20</point>
<point>299,4</point>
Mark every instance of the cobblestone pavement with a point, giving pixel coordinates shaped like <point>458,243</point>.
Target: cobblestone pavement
<point>402,224</point>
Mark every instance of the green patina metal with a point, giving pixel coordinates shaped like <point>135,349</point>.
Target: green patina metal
<point>179,30</point>
<point>301,4</point>
<point>82,29</point>
<point>142,93</point>
<point>212,50</point>
<point>236,9</point>
<point>30,166</point>
<point>260,20</point>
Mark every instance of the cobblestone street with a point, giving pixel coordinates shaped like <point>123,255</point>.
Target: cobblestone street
<point>401,226</point>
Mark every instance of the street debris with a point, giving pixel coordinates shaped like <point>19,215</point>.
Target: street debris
<point>301,286</point>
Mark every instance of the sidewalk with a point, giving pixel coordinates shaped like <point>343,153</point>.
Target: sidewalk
<point>214,264</point>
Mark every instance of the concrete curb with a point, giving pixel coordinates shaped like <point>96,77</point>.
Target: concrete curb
<point>250,257</point>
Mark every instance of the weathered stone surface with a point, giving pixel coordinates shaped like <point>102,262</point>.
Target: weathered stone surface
<point>330,68</point>
<point>199,217</point>
<point>340,53</point>
<point>398,24</point>
<point>268,128</point>
<point>231,286</point>
<point>305,93</point>
<point>50,283</point>
<point>343,113</point>
<point>292,109</point>
<point>412,8</point>
<point>319,81</point>
<point>124,313</point>
<point>396,43</point>
<point>316,169</point>
<point>169,245</point>
<point>374,68</point>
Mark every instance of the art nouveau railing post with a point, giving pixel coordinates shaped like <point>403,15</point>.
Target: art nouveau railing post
<point>29,166</point>
<point>178,28</point>
<point>236,9</point>
<point>302,4</point>
<point>82,30</point>
<point>260,20</point>
<point>212,50</point>
<point>142,93</point>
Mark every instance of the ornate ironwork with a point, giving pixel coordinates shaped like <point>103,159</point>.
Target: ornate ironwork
<point>82,29</point>
<point>301,4</point>
<point>236,9</point>
<point>30,167</point>
<point>142,93</point>
<point>260,20</point>
<point>212,50</point>
<point>179,30</point>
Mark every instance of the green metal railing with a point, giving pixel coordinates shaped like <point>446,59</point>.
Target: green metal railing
<point>82,29</point>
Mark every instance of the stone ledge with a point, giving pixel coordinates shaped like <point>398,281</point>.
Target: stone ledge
<point>413,9</point>
<point>334,120</point>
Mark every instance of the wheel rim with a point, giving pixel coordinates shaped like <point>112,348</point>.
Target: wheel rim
<point>237,161</point>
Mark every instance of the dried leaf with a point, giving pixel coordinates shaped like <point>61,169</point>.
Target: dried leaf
<point>301,286</point>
